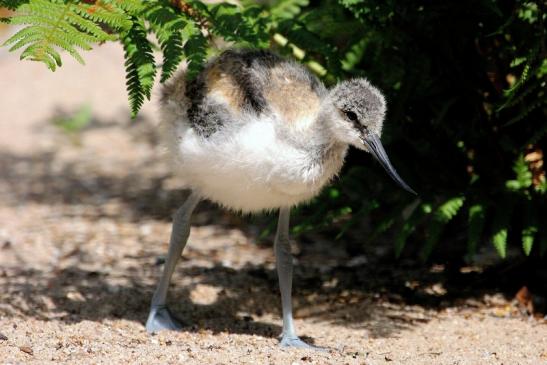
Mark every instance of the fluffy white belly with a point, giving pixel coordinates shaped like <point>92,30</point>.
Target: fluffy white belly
<point>248,168</point>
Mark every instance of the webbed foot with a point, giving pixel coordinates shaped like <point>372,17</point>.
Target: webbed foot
<point>296,342</point>
<point>160,318</point>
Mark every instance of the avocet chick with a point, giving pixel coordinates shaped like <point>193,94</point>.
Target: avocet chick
<point>256,132</point>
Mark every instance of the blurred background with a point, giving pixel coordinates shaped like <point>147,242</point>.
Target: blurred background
<point>86,196</point>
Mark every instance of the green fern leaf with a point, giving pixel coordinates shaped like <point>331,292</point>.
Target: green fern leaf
<point>442,215</point>
<point>173,53</point>
<point>167,24</point>
<point>46,54</point>
<point>354,55</point>
<point>103,12</point>
<point>528,235</point>
<point>362,10</point>
<point>500,227</point>
<point>139,63</point>
<point>513,93</point>
<point>287,9</point>
<point>261,23</point>
<point>530,89</point>
<point>231,24</point>
<point>523,175</point>
<point>476,218</point>
<point>53,26</point>
<point>131,7</point>
<point>522,79</point>
<point>195,49</point>
<point>530,228</point>
<point>499,239</point>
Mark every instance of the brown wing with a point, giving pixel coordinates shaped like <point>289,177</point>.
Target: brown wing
<point>294,94</point>
<point>254,82</point>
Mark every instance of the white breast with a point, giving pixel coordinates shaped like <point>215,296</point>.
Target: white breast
<point>248,166</point>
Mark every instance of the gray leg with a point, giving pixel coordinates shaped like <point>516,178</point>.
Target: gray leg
<point>284,271</point>
<point>160,318</point>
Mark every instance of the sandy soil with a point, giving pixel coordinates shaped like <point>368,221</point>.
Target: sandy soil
<point>84,223</point>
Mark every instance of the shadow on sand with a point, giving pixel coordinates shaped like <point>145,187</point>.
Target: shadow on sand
<point>380,295</point>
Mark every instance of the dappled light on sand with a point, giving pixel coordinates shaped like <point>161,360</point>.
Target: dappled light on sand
<point>84,223</point>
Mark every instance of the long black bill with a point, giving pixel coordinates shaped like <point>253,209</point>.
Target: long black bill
<point>374,145</point>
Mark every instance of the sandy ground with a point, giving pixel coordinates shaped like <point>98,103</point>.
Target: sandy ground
<point>84,223</point>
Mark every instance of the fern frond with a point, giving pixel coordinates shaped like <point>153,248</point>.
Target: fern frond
<point>513,92</point>
<point>529,229</point>
<point>231,24</point>
<point>476,218</point>
<point>287,9</point>
<point>173,52</point>
<point>53,26</point>
<point>48,55</point>
<point>499,240</point>
<point>530,89</point>
<point>106,13</point>
<point>354,55</point>
<point>361,11</point>
<point>167,25</point>
<point>528,236</point>
<point>195,49</point>
<point>500,227</point>
<point>442,215</point>
<point>131,7</point>
<point>261,24</point>
<point>523,176</point>
<point>139,65</point>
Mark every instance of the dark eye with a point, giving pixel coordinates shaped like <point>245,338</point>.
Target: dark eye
<point>351,115</point>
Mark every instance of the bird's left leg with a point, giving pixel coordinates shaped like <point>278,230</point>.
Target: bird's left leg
<point>160,317</point>
<point>284,271</point>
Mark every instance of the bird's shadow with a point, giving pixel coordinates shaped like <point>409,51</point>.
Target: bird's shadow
<point>242,299</point>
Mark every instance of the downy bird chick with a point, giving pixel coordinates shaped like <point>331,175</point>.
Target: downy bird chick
<point>254,132</point>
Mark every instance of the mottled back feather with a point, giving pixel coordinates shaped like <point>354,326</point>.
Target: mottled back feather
<point>251,82</point>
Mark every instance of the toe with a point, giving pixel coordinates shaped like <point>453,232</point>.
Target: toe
<point>160,319</point>
<point>295,342</point>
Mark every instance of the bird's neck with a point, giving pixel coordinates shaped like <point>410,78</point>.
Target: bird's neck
<point>317,139</point>
<point>327,146</point>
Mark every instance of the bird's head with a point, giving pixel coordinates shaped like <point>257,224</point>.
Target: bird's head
<point>357,112</point>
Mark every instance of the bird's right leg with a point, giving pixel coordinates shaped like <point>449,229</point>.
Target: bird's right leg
<point>160,318</point>
<point>283,260</point>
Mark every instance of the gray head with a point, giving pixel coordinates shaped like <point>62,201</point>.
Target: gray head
<point>356,111</point>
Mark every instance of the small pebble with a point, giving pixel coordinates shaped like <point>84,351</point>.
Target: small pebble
<point>26,350</point>
<point>3,337</point>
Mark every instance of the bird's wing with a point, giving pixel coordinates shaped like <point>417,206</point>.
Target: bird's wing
<point>294,94</point>
<point>252,82</point>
